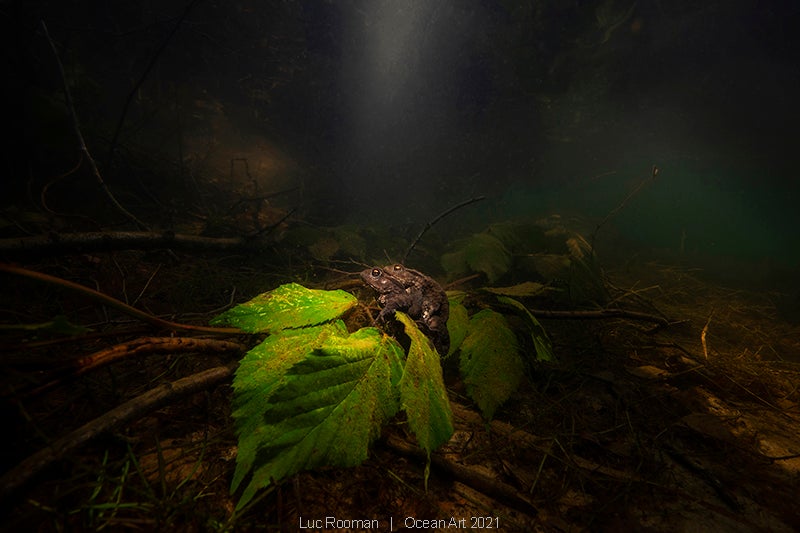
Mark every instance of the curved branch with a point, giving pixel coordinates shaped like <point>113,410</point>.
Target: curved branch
<point>620,207</point>
<point>55,243</point>
<point>137,347</point>
<point>116,304</point>
<point>82,144</point>
<point>127,412</point>
<point>140,81</point>
<point>430,224</point>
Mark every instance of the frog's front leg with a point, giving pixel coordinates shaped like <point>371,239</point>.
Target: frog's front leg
<point>396,303</point>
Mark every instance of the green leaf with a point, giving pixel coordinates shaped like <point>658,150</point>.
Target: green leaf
<point>456,297</point>
<point>324,410</point>
<point>585,275</point>
<point>454,263</point>
<point>264,368</point>
<point>351,242</point>
<point>490,361</point>
<point>544,348</point>
<point>422,392</point>
<point>457,325</point>
<point>519,237</point>
<point>527,288</point>
<point>485,253</point>
<point>480,253</point>
<point>288,306</point>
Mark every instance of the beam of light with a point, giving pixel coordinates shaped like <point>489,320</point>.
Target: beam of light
<point>388,76</point>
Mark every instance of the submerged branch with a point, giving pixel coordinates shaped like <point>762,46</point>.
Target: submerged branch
<point>58,243</point>
<point>469,475</point>
<point>137,348</point>
<point>82,144</point>
<point>621,206</point>
<point>430,224</point>
<point>113,302</point>
<point>135,89</point>
<point>602,313</point>
<point>125,413</point>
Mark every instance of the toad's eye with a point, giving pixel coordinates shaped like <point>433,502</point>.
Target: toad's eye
<point>397,268</point>
<point>376,272</point>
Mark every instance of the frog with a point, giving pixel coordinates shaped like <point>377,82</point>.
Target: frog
<point>418,295</point>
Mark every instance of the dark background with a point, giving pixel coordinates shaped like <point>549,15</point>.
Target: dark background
<point>371,118</point>
<point>391,112</point>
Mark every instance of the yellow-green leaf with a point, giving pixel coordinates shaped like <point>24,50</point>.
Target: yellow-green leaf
<point>541,342</point>
<point>288,306</point>
<point>490,361</point>
<point>323,411</point>
<point>457,325</point>
<point>263,369</point>
<point>422,392</point>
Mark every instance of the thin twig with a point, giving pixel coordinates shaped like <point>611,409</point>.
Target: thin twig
<point>59,243</point>
<point>141,292</point>
<point>600,314</point>
<point>113,302</point>
<point>269,229</point>
<point>430,224</point>
<point>136,348</point>
<point>621,206</point>
<point>140,81</point>
<point>704,333</point>
<point>81,143</point>
<point>46,186</point>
